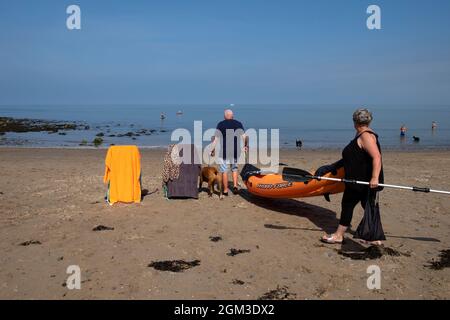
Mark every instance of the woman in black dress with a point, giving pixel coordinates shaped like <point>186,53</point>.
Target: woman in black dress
<point>361,159</point>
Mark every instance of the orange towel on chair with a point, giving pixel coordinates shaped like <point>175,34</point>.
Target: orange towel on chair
<point>123,172</point>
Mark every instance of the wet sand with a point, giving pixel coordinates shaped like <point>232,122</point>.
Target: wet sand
<point>239,248</point>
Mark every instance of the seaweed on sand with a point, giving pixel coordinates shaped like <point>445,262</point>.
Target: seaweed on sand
<point>234,252</point>
<point>215,239</point>
<point>30,242</point>
<point>174,265</point>
<point>102,228</point>
<point>443,262</point>
<point>280,293</point>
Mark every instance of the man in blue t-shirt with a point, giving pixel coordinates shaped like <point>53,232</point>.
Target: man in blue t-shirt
<point>228,132</point>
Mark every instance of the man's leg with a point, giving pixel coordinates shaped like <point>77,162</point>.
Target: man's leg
<point>225,182</point>
<point>235,179</point>
<point>223,169</point>
<point>234,169</point>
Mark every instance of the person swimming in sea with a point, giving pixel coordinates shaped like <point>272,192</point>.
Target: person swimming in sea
<point>434,125</point>
<point>403,130</point>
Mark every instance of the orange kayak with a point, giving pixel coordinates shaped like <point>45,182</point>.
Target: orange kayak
<point>273,186</point>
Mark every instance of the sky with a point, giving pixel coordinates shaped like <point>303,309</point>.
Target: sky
<point>233,51</point>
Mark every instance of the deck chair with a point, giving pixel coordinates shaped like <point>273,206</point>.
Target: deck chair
<point>123,174</point>
<point>186,186</point>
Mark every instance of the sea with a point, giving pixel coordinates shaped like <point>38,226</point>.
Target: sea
<point>317,126</point>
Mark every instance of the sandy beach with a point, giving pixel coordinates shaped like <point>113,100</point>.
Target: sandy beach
<point>54,197</point>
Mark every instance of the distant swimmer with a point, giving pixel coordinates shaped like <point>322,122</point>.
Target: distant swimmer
<point>163,116</point>
<point>434,125</point>
<point>403,130</point>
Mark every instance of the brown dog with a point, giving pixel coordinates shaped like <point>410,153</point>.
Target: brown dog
<point>212,176</point>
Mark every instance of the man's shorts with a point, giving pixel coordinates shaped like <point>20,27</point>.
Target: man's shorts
<point>224,165</point>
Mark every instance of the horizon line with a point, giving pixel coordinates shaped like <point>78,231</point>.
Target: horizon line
<point>226,105</point>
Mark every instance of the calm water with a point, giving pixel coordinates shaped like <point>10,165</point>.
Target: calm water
<point>317,126</point>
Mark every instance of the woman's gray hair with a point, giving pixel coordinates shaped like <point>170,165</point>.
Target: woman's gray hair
<point>362,117</point>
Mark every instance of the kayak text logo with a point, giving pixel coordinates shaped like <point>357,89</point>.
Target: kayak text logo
<point>374,20</point>
<point>374,280</point>
<point>73,21</point>
<point>253,146</point>
<point>74,280</point>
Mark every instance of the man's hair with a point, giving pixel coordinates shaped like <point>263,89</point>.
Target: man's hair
<point>228,112</point>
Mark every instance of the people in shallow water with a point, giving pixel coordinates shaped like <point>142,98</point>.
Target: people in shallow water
<point>403,130</point>
<point>434,125</point>
<point>361,159</point>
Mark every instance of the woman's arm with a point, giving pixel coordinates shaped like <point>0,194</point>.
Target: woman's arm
<point>369,143</point>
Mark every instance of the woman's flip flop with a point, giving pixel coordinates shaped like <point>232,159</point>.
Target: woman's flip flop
<point>372,243</point>
<point>329,239</point>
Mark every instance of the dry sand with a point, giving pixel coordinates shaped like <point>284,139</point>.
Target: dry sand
<point>55,196</point>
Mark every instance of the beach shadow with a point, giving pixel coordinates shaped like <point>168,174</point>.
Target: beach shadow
<point>146,192</point>
<point>206,190</point>
<point>281,227</point>
<point>357,251</point>
<point>350,245</point>
<point>324,219</point>
<point>425,239</point>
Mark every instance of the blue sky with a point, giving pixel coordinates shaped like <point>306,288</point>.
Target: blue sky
<point>189,51</point>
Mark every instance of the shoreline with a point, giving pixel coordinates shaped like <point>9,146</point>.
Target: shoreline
<point>20,131</point>
<point>293,149</point>
<point>282,149</point>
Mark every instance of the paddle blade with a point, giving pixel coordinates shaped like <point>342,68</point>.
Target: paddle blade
<point>296,175</point>
<point>249,170</point>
